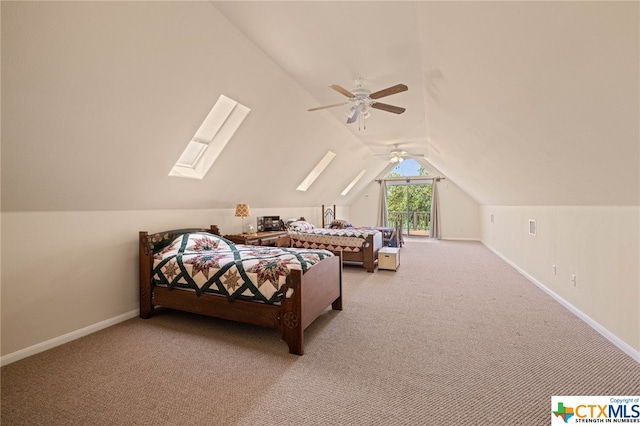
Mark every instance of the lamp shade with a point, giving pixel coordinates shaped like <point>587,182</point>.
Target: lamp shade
<point>242,210</point>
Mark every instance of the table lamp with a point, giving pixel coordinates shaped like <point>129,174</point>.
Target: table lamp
<point>242,210</point>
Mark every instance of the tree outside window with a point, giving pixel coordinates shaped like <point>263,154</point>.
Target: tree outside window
<point>409,202</point>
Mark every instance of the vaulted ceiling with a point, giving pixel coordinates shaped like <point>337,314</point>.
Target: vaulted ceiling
<point>518,103</point>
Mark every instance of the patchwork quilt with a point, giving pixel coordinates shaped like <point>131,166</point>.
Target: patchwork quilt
<point>207,263</point>
<point>347,239</point>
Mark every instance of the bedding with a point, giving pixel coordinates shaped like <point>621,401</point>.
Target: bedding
<point>348,239</point>
<point>356,245</point>
<point>300,226</point>
<point>340,224</point>
<point>391,236</point>
<point>208,263</point>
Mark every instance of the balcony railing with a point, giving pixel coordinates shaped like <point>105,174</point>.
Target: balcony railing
<point>416,222</point>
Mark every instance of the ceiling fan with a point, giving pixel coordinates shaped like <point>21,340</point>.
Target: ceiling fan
<point>397,155</point>
<point>361,99</point>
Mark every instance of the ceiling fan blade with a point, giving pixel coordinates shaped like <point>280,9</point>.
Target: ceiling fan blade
<point>389,108</point>
<point>389,91</point>
<point>354,117</point>
<point>342,90</point>
<point>327,106</point>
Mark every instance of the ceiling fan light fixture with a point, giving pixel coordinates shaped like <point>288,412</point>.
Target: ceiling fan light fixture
<point>351,111</point>
<point>398,156</point>
<point>362,99</point>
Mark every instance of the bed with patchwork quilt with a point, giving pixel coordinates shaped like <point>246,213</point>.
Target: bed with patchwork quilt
<point>356,244</point>
<point>197,270</point>
<point>391,235</point>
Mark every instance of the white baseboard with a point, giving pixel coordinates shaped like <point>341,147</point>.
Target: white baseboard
<point>57,341</point>
<point>624,347</point>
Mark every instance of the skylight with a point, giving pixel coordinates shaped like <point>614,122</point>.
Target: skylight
<point>210,139</point>
<point>317,170</point>
<point>191,154</point>
<point>353,182</point>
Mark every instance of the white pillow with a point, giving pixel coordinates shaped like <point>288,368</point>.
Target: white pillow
<point>301,226</point>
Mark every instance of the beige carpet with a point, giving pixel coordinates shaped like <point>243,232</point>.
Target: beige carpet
<point>455,336</point>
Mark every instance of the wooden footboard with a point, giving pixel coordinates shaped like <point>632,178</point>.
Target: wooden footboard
<point>368,255</point>
<point>312,293</point>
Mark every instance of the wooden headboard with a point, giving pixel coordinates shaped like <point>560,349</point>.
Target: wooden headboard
<point>328,215</point>
<point>156,242</point>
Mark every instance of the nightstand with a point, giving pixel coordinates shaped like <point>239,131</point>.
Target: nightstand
<point>389,258</point>
<point>267,238</point>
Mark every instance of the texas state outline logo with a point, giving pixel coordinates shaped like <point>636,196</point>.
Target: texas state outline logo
<point>615,409</point>
<point>565,413</point>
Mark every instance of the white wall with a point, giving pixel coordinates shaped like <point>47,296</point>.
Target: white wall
<point>459,211</point>
<point>65,271</point>
<point>99,99</point>
<point>364,209</point>
<point>599,245</point>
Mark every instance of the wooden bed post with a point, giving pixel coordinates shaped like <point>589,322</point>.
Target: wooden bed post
<point>336,305</point>
<point>146,264</point>
<point>291,324</point>
<point>369,256</point>
<point>323,225</point>
<point>313,291</point>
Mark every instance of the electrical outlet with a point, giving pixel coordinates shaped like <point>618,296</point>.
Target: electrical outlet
<point>573,279</point>
<point>554,270</point>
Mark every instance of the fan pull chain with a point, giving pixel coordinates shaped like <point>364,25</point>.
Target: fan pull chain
<point>360,121</point>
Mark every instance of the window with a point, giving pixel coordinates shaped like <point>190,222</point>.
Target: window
<point>210,139</point>
<point>408,167</point>
<point>317,170</point>
<point>353,182</point>
<point>409,189</point>
<point>192,154</point>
